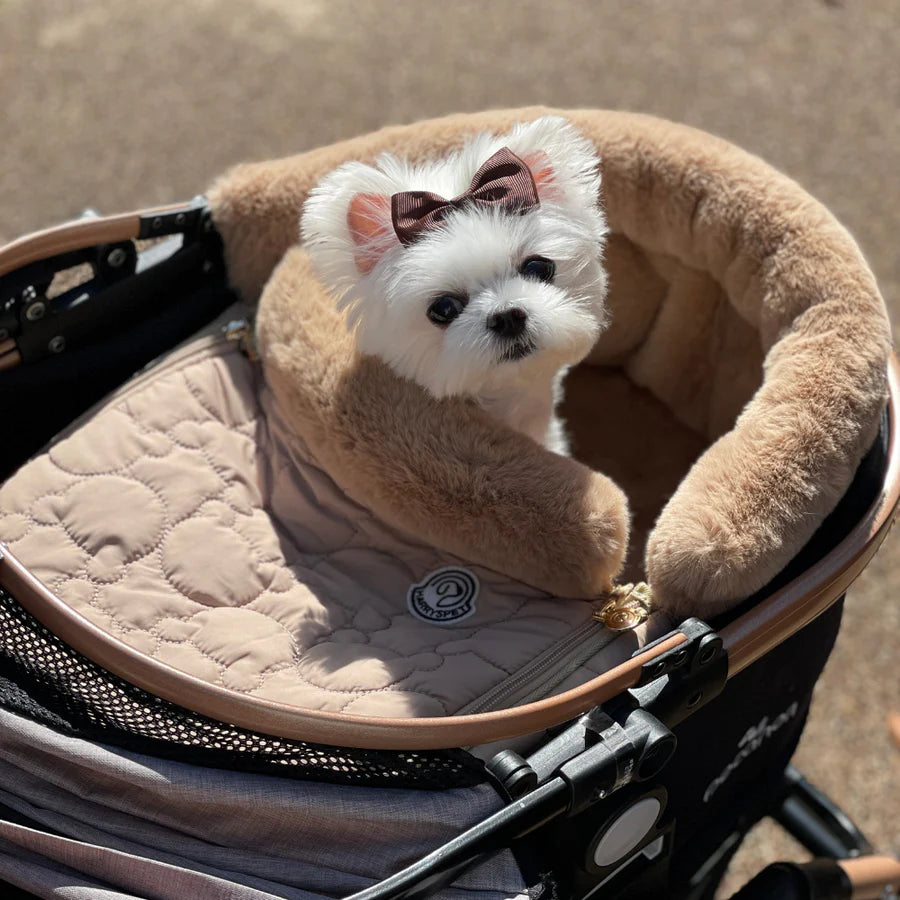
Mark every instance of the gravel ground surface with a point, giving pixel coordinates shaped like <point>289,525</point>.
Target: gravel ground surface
<point>117,105</point>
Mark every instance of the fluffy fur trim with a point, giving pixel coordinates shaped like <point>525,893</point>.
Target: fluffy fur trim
<point>720,227</point>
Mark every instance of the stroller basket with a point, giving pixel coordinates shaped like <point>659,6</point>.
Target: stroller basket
<point>638,779</point>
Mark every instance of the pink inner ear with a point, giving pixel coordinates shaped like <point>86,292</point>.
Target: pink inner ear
<point>369,220</point>
<point>542,172</point>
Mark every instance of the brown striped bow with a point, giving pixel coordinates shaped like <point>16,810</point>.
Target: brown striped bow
<point>504,181</point>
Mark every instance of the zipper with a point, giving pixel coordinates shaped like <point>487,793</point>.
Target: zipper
<point>623,609</point>
<point>544,672</point>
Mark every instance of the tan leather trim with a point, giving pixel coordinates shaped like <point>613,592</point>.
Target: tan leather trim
<point>870,875</point>
<point>777,617</point>
<point>73,236</point>
<point>287,721</point>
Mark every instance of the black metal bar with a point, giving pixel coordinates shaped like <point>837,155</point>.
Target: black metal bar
<point>814,820</point>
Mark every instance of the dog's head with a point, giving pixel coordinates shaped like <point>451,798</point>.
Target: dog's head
<point>472,270</point>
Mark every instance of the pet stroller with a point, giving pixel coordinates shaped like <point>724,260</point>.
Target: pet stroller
<point>212,685</point>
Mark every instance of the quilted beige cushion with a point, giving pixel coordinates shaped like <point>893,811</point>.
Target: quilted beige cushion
<point>185,519</point>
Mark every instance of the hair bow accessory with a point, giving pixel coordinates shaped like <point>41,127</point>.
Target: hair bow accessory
<point>504,181</point>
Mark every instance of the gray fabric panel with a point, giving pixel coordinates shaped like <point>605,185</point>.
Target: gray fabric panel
<point>227,865</point>
<point>275,836</point>
<point>48,861</point>
<point>46,879</point>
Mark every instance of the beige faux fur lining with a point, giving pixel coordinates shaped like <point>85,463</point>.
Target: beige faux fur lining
<point>733,291</point>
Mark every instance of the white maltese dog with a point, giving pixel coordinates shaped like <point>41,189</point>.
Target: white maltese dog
<point>477,274</point>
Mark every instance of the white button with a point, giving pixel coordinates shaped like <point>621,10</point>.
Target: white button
<point>627,831</point>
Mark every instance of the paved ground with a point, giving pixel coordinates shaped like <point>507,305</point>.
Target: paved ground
<point>117,105</point>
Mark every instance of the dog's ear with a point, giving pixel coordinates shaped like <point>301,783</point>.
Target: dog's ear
<point>543,173</point>
<point>563,162</point>
<point>346,223</point>
<point>369,221</point>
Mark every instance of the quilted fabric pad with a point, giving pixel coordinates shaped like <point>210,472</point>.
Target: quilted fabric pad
<point>183,518</point>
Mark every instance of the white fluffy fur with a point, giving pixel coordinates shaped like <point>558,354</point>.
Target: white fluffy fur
<point>475,252</point>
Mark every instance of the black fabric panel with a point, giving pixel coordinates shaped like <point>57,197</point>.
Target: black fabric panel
<point>39,399</point>
<point>727,770</point>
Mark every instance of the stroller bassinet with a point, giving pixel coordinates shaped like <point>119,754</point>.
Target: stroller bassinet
<point>152,748</point>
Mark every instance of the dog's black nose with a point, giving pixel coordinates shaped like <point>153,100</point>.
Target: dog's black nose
<point>508,324</point>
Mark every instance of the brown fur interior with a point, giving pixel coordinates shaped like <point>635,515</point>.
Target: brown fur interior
<point>745,324</point>
<point>625,444</point>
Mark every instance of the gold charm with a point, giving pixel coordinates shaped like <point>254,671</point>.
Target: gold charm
<point>240,333</point>
<point>626,607</point>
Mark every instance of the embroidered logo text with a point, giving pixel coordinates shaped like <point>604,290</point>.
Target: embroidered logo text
<point>444,596</point>
<point>751,742</point>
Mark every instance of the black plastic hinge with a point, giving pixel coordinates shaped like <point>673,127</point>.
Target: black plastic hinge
<point>684,678</point>
<point>701,647</point>
<point>123,285</point>
<point>513,773</point>
<point>193,217</point>
<point>625,744</point>
<point>628,739</point>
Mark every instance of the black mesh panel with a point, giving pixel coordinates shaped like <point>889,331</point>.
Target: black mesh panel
<point>46,680</point>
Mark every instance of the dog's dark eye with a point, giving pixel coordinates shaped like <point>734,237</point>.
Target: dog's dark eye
<point>538,268</point>
<point>446,308</point>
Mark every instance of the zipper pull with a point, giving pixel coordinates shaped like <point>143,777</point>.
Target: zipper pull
<point>626,606</point>
<point>239,332</point>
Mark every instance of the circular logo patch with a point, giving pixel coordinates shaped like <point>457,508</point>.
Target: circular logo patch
<point>444,596</point>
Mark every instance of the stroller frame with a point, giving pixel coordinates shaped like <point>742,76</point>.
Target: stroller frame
<point>614,744</point>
